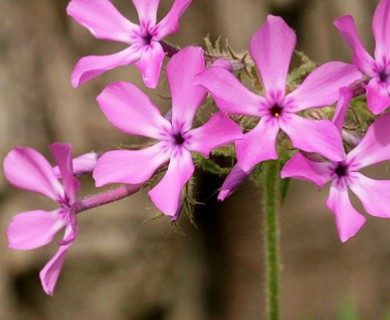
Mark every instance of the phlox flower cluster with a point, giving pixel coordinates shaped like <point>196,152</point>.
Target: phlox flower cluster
<point>176,136</point>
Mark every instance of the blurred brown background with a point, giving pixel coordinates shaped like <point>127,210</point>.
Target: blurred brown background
<point>124,266</point>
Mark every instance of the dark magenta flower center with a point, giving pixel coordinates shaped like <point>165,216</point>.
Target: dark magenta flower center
<point>276,111</point>
<point>383,76</point>
<point>179,140</point>
<point>341,170</point>
<point>147,38</point>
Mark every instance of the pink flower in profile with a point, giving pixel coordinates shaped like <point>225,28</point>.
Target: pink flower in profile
<point>271,48</point>
<point>104,21</point>
<point>344,175</point>
<point>378,69</point>
<point>131,111</point>
<point>27,169</point>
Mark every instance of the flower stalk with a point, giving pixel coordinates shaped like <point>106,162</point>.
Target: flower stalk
<point>106,197</point>
<point>271,240</point>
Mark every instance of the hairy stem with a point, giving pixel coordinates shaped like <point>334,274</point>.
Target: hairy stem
<point>236,64</point>
<point>271,240</point>
<point>169,49</point>
<point>106,197</point>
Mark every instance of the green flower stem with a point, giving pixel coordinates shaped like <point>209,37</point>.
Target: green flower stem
<point>271,239</point>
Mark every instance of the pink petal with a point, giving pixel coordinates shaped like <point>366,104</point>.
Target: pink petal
<point>348,220</point>
<point>378,98</point>
<point>271,48</point>
<point>131,111</point>
<point>27,169</point>
<point>81,165</point>
<point>62,154</point>
<point>102,19</point>
<point>130,166</point>
<point>345,97</point>
<point>217,131</point>
<point>319,136</point>
<point>381,29</point>
<point>374,147</point>
<point>258,145</point>
<point>51,271</point>
<point>353,138</point>
<point>150,63</point>
<point>300,167</point>
<point>33,229</point>
<point>230,94</point>
<point>170,23</point>
<point>361,58</point>
<point>374,194</point>
<point>90,67</point>
<point>72,227</point>
<point>166,194</point>
<point>321,87</point>
<point>223,63</point>
<point>186,97</point>
<point>234,179</point>
<point>147,11</point>
<point>85,163</point>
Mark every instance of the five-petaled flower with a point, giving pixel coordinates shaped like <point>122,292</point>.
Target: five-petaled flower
<point>271,48</point>
<point>104,21</point>
<point>344,175</point>
<point>27,169</point>
<point>378,69</point>
<point>131,111</point>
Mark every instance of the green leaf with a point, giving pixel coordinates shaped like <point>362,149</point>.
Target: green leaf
<point>297,75</point>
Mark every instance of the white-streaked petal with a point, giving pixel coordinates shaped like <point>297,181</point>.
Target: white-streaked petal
<point>170,23</point>
<point>348,220</point>
<point>186,96</point>
<point>62,154</point>
<point>378,95</point>
<point>131,111</point>
<point>147,11</point>
<point>320,136</point>
<point>374,194</point>
<point>361,58</point>
<point>51,271</point>
<point>166,194</point>
<point>374,147</point>
<point>27,169</point>
<point>130,166</point>
<point>217,131</point>
<point>345,97</point>
<point>230,95</point>
<point>258,145</point>
<point>271,48</point>
<point>33,229</point>
<point>150,63</point>
<point>321,87</point>
<point>381,29</point>
<point>90,67</point>
<point>102,19</point>
<point>81,165</point>
<point>300,167</point>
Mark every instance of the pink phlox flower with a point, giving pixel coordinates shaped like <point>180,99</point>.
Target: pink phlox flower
<point>344,175</point>
<point>271,48</point>
<point>131,111</point>
<point>27,169</point>
<point>376,69</point>
<point>104,21</point>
